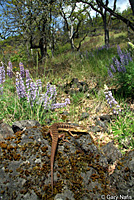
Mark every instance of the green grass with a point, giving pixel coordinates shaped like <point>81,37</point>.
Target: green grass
<point>123,128</point>
<point>59,71</point>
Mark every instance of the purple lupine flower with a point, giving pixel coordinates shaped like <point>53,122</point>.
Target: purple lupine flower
<point>102,47</point>
<point>41,99</point>
<point>51,92</point>
<point>118,65</point>
<point>119,50</point>
<point>60,105</point>
<point>22,71</point>
<point>1,75</point>
<point>3,72</point>
<point>49,96</point>
<point>111,101</point>
<point>122,59</point>
<point>112,68</point>
<point>110,73</point>
<point>28,79</point>
<point>123,69</point>
<point>129,57</point>
<point>20,87</point>
<point>9,69</point>
<point>48,87</point>
<point>39,86</point>
<point>32,93</point>
<point>46,104</point>
<point>114,59</point>
<point>1,80</point>
<point>39,83</point>
<point>126,59</point>
<point>67,101</point>
<point>48,99</point>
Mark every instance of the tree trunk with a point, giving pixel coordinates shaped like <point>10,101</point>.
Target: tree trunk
<point>132,5</point>
<point>106,30</point>
<point>71,36</point>
<point>43,48</point>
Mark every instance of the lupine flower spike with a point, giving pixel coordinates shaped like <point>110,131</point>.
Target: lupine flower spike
<point>111,101</point>
<point>22,71</point>
<point>9,69</point>
<point>20,87</point>
<point>2,77</point>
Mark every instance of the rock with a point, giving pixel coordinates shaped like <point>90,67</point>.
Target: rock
<point>123,177</point>
<point>84,115</point>
<point>111,152</point>
<point>80,168</point>
<point>94,129</point>
<point>100,123</point>
<point>68,194</point>
<point>105,118</point>
<point>20,125</point>
<point>5,131</point>
<point>75,86</point>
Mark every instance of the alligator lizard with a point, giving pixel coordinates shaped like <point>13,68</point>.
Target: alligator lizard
<point>54,128</point>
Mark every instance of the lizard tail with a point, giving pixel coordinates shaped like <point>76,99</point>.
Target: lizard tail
<point>53,150</point>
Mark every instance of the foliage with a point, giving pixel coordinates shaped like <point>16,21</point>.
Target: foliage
<point>29,96</point>
<point>34,20</point>
<point>123,128</point>
<point>125,80</point>
<point>122,73</point>
<point>76,97</point>
<point>88,65</point>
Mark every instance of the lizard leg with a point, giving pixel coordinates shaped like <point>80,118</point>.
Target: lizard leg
<point>63,137</point>
<point>74,135</point>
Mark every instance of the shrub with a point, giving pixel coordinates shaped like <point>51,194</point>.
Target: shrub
<point>122,73</point>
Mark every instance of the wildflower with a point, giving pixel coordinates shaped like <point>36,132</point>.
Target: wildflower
<point>110,73</point>
<point>28,79</point>
<point>51,92</point>
<point>39,86</point>
<point>119,50</point>
<point>2,77</point>
<point>9,69</point>
<point>122,59</point>
<point>49,97</point>
<point>118,65</point>
<point>129,57</point>
<point>22,71</point>
<point>123,69</point>
<point>111,101</point>
<point>1,80</point>
<point>3,72</point>
<point>20,87</point>
<point>67,101</point>
<point>32,93</point>
<point>60,105</point>
<point>112,67</point>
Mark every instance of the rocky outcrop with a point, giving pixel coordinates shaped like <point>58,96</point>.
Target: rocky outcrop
<point>80,168</point>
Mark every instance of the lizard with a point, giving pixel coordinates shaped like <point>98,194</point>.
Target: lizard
<point>55,135</point>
